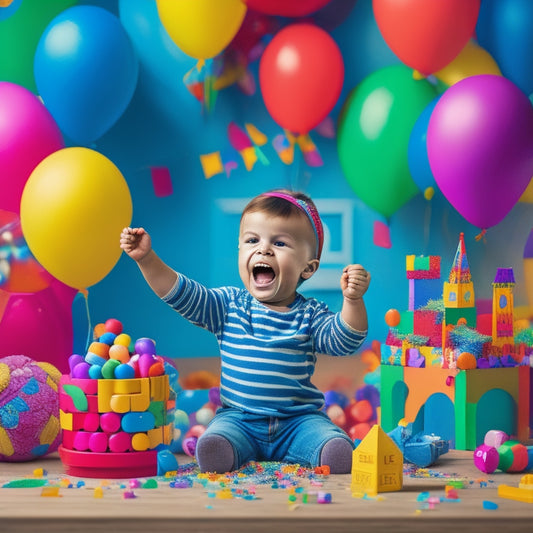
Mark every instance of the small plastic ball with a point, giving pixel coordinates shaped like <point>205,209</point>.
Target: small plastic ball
<point>486,458</point>
<point>145,345</point>
<point>81,371</point>
<point>107,338</point>
<point>359,431</point>
<point>334,397</point>
<point>113,325</point>
<point>119,352</point>
<point>495,438</point>
<point>214,396</point>
<point>466,361</point>
<point>99,348</point>
<point>75,359</point>
<point>189,445</point>
<point>337,415</point>
<point>123,339</point>
<point>204,415</point>
<point>361,411</point>
<point>124,371</point>
<point>99,330</point>
<point>392,318</point>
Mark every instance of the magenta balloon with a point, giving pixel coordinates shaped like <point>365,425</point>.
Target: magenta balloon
<point>39,325</point>
<point>28,134</point>
<point>480,147</point>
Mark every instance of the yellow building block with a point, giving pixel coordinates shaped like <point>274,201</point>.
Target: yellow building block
<point>140,442</point>
<point>159,388</point>
<point>113,395</point>
<point>65,420</point>
<point>377,464</point>
<point>129,386</point>
<point>155,436</point>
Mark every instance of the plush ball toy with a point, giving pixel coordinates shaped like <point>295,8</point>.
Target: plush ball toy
<point>29,408</point>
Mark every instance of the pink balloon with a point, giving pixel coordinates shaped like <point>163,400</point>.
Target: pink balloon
<point>38,325</point>
<point>28,133</point>
<point>479,143</point>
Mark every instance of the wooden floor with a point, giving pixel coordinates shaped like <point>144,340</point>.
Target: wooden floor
<point>201,508</point>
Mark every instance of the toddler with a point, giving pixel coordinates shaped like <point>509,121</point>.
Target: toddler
<point>269,335</point>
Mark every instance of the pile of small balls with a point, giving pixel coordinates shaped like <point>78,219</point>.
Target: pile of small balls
<point>109,356</point>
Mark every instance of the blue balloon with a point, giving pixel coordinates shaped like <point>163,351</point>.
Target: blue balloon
<point>86,71</point>
<point>504,30</point>
<point>417,153</point>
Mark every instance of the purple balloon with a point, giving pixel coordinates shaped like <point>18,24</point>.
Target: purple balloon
<point>479,141</point>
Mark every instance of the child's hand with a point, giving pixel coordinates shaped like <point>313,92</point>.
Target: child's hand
<point>136,242</point>
<point>354,282</point>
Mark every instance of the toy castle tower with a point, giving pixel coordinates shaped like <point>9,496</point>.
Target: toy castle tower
<point>502,307</point>
<point>423,274</point>
<point>459,298</point>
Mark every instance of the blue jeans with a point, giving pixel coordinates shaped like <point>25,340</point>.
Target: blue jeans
<point>297,439</point>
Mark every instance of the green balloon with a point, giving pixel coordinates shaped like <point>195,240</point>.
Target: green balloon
<point>19,36</point>
<point>373,136</point>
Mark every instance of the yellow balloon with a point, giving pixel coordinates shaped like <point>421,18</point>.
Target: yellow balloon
<point>527,195</point>
<point>73,207</point>
<point>201,28</point>
<point>471,61</point>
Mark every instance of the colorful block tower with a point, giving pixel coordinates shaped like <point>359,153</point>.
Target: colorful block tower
<point>377,464</point>
<point>459,297</point>
<point>502,307</point>
<point>468,384</point>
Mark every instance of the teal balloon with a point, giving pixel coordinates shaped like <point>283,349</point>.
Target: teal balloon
<point>21,26</point>
<point>373,136</point>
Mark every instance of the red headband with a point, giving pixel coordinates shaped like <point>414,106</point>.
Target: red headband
<point>311,213</point>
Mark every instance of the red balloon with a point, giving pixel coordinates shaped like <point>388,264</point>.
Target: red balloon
<point>301,73</point>
<point>286,8</point>
<point>426,36</point>
<point>38,325</point>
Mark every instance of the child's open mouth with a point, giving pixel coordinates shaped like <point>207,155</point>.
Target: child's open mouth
<point>263,274</point>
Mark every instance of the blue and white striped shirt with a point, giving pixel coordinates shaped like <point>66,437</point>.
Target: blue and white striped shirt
<point>267,357</point>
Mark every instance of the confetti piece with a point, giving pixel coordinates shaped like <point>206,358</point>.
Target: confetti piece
<point>211,164</point>
<point>161,181</point>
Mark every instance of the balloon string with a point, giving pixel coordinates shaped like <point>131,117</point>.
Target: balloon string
<point>481,235</point>
<point>85,294</point>
<point>427,225</point>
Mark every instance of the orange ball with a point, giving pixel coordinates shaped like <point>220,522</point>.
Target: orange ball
<point>99,330</point>
<point>99,348</point>
<point>120,353</point>
<point>392,318</point>
<point>466,361</point>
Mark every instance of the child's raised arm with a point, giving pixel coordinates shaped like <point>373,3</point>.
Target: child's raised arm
<point>354,283</point>
<point>136,242</point>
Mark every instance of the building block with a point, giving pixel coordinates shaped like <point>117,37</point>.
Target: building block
<point>522,493</point>
<point>452,315</point>
<point>120,442</point>
<point>377,464</point>
<point>422,291</point>
<point>65,420</point>
<point>159,388</point>
<point>140,442</point>
<point>428,324</point>
<point>134,422</point>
